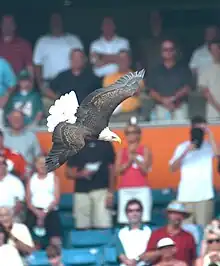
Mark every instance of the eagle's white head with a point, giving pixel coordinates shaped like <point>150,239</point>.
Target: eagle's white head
<point>108,135</point>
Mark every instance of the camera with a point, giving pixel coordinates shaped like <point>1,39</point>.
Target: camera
<point>197,137</point>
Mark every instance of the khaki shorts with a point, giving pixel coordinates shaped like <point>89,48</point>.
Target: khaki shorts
<point>202,212</point>
<point>90,211</point>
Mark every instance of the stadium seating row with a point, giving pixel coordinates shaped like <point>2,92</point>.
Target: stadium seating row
<point>91,247</point>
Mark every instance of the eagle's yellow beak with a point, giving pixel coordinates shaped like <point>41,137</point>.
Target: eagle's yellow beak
<point>117,139</point>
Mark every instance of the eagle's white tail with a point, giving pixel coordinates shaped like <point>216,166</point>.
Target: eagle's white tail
<point>64,109</point>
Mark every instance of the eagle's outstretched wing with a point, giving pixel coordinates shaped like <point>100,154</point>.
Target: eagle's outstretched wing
<point>68,140</point>
<point>96,109</point>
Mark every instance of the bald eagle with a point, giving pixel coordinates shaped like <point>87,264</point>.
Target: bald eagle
<point>72,124</point>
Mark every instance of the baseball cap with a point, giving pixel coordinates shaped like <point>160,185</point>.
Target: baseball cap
<point>24,74</point>
<point>165,242</point>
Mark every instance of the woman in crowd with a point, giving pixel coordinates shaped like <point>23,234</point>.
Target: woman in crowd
<point>43,195</point>
<point>132,165</point>
<point>210,246</point>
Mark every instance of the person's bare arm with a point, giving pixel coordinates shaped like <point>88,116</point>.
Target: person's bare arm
<point>74,173</point>
<point>21,246</point>
<point>151,256</point>
<point>38,75</point>
<point>127,261</point>
<point>213,142</point>
<point>111,178</point>
<point>198,262</point>
<point>147,163</point>
<point>28,199</point>
<point>56,194</point>
<point>175,166</point>
<point>99,60</point>
<point>119,167</point>
<point>156,96</point>
<point>210,98</point>
<point>50,94</point>
<point>182,92</point>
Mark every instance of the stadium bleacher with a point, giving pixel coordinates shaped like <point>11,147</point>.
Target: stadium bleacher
<point>97,247</point>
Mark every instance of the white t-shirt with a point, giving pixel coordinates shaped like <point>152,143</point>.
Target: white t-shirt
<point>196,180</point>
<point>134,241</point>
<point>53,53</point>
<point>108,47</point>
<point>9,256</point>
<point>42,190</point>
<point>22,233</point>
<point>11,190</point>
<point>201,58</point>
<point>210,78</point>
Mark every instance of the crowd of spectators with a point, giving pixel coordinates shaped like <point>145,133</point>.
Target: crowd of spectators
<point>172,90</point>
<point>29,197</point>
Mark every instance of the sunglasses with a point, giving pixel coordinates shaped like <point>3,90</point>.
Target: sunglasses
<point>132,132</point>
<point>133,210</point>
<point>211,241</point>
<point>168,49</point>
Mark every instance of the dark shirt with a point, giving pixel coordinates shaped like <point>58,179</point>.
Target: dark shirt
<point>167,81</point>
<point>18,53</point>
<point>83,84</point>
<point>185,244</point>
<point>94,152</point>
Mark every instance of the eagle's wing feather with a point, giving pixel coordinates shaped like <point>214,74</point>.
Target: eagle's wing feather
<point>96,109</point>
<point>58,155</point>
<point>67,140</point>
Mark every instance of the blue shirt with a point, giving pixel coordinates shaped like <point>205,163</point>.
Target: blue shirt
<point>7,76</point>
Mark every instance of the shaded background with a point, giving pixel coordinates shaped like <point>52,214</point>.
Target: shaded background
<point>185,21</point>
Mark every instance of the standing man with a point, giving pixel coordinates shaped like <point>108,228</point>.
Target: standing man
<point>52,51</point>
<point>16,50</point>
<point>209,80</point>
<point>78,78</point>
<point>93,171</point>
<point>104,51</point>
<point>194,159</point>
<point>201,57</point>
<point>169,83</point>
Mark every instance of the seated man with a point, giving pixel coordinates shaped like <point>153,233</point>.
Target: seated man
<point>169,85</point>
<point>15,161</point>
<point>9,255</point>
<point>27,100</point>
<point>167,248</point>
<point>24,141</point>
<point>132,239</point>
<point>18,234</point>
<point>184,241</point>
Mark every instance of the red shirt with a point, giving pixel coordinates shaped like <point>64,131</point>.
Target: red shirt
<point>17,162</point>
<point>17,52</point>
<point>186,247</point>
<point>132,177</point>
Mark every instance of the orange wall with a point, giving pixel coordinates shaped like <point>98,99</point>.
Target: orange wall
<point>162,142</point>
